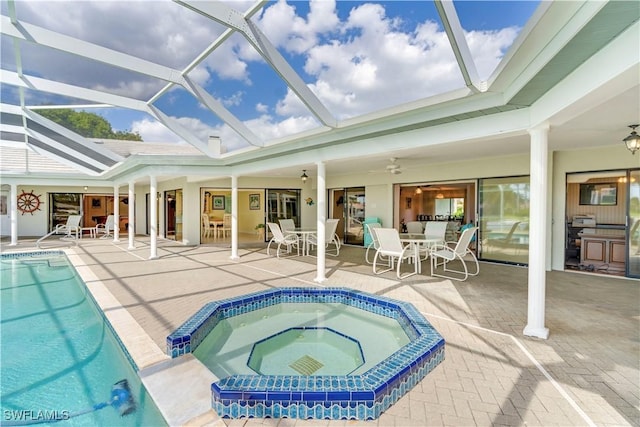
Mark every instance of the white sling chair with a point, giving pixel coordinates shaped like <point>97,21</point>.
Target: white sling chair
<point>433,230</point>
<point>391,247</point>
<point>71,228</point>
<point>447,254</point>
<point>414,227</point>
<point>287,226</point>
<point>107,228</point>
<point>278,237</point>
<point>374,240</point>
<point>330,236</point>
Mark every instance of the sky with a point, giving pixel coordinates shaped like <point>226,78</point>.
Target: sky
<point>356,56</point>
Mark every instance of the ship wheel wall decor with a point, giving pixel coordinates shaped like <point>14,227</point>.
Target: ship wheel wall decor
<point>28,202</point>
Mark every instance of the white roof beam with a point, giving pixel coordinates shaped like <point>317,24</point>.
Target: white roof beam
<point>64,149</point>
<point>229,17</point>
<point>44,37</point>
<point>213,46</point>
<point>64,161</point>
<point>53,126</point>
<point>224,114</point>
<point>458,42</point>
<point>49,86</point>
<point>180,130</point>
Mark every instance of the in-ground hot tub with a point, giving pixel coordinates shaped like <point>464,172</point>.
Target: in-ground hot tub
<point>364,352</point>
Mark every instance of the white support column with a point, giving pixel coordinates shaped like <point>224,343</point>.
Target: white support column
<point>234,217</point>
<point>537,233</point>
<point>321,222</point>
<point>131,216</point>
<point>153,217</point>
<point>116,213</point>
<point>14,214</point>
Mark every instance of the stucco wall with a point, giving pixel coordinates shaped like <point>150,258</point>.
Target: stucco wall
<point>379,192</point>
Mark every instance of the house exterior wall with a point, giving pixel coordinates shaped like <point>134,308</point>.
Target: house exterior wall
<point>379,191</point>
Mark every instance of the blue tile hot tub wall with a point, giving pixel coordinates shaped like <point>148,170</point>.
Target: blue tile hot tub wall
<point>362,397</point>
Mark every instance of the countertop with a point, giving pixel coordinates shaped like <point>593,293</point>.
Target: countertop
<point>599,233</point>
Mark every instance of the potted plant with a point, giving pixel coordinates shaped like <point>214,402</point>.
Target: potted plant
<point>260,230</point>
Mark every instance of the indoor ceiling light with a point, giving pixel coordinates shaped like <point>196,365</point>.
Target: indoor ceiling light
<point>304,176</point>
<point>633,140</point>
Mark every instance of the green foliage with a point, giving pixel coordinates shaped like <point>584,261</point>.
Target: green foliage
<point>89,125</point>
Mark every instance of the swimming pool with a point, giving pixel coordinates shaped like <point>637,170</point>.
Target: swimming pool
<point>59,356</point>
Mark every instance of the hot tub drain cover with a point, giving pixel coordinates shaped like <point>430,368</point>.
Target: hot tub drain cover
<point>306,365</point>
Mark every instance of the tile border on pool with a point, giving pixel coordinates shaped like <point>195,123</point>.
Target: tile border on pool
<point>361,397</point>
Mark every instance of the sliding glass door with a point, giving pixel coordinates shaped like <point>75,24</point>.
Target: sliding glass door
<point>354,200</point>
<point>282,204</point>
<point>61,205</point>
<point>504,219</point>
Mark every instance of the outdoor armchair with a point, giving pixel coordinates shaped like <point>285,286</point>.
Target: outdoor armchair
<point>330,236</point>
<point>290,240</point>
<point>443,254</point>
<point>391,247</point>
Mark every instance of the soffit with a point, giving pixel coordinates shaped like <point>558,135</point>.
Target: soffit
<point>607,24</point>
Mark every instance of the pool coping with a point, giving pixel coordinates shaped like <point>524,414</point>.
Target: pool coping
<point>360,397</point>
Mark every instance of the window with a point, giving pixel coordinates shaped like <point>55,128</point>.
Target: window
<point>450,207</point>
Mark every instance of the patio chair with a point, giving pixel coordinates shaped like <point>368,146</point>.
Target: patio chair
<point>414,227</point>
<point>374,240</point>
<point>447,254</point>
<point>279,238</point>
<point>391,247</point>
<point>71,228</point>
<point>206,225</point>
<point>107,228</point>
<point>330,236</point>
<point>226,225</point>
<point>287,226</point>
<point>506,241</point>
<point>433,230</point>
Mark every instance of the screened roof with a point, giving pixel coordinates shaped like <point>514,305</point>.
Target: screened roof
<point>269,78</point>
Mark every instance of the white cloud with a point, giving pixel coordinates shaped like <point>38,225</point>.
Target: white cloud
<point>262,108</point>
<point>266,127</point>
<point>287,29</point>
<point>233,100</point>
<point>152,131</point>
<point>376,65</point>
<point>488,47</point>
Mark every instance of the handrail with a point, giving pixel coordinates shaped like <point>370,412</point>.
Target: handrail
<point>67,235</point>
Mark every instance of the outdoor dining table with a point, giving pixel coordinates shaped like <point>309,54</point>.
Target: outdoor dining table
<point>304,234</point>
<point>415,240</point>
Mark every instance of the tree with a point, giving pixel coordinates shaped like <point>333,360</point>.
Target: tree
<point>88,125</point>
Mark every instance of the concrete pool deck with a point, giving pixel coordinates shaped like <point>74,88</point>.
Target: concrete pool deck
<point>586,373</point>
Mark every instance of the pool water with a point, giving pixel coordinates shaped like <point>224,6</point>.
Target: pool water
<point>58,354</point>
<point>226,353</point>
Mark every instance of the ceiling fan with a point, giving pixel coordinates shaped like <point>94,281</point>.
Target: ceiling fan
<point>393,168</point>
